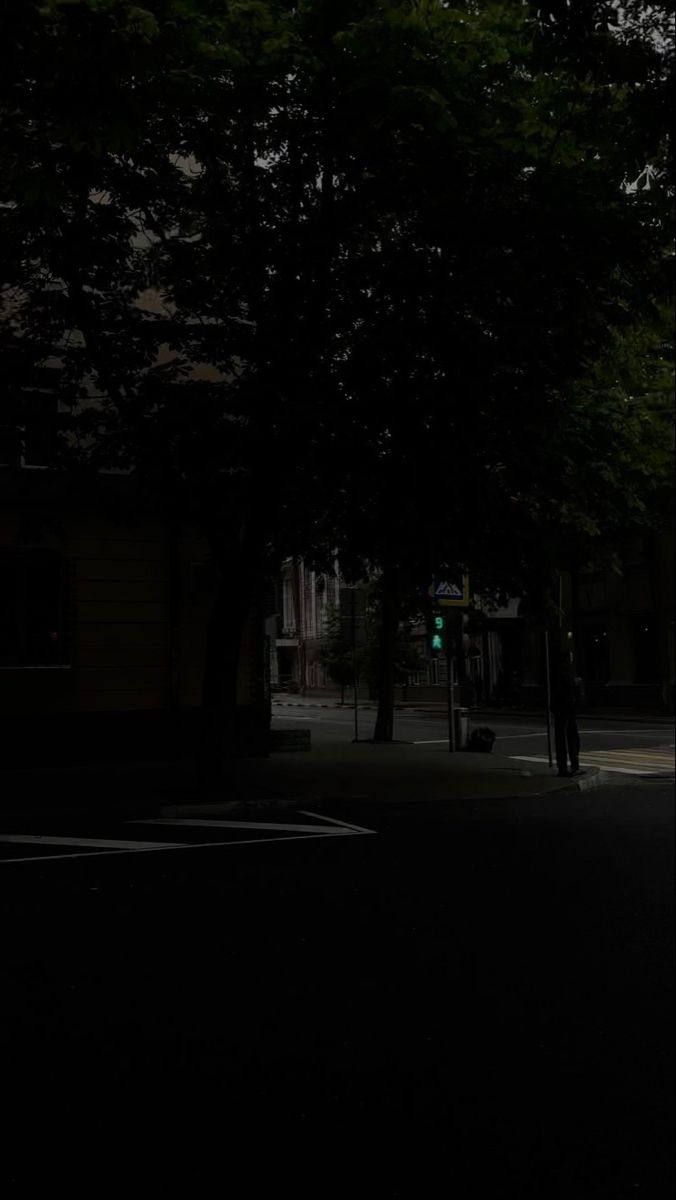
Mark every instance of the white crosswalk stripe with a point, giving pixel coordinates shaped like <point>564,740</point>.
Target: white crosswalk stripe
<point>623,762</point>
<point>645,762</point>
<point>91,847</point>
<point>201,822</point>
<point>41,839</point>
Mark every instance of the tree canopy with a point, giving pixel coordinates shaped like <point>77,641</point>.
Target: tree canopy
<point>337,276</point>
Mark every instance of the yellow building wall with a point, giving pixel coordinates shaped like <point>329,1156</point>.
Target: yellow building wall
<point>120,632</point>
<point>125,653</point>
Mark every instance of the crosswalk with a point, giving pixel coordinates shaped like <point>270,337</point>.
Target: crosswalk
<point>634,762</point>
<point>657,761</point>
<point>187,833</point>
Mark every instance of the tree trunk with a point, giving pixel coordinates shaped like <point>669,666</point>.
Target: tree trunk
<point>298,592</point>
<point>389,585</point>
<point>662,614</point>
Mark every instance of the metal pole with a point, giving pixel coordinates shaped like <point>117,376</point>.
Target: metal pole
<point>353,614</point>
<point>548,700</point>
<point>560,600</point>
<point>451,708</point>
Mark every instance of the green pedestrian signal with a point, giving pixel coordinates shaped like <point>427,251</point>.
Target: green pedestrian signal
<point>437,643</point>
<point>439,637</point>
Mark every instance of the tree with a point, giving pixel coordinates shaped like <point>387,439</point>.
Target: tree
<point>398,235</point>
<point>406,656</point>
<point>336,655</point>
<point>486,307</point>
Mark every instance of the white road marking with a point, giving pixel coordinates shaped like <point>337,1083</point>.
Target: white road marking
<point>304,837</point>
<point>502,737</point>
<point>317,720</point>
<point>214,824</point>
<point>7,862</point>
<point>621,732</point>
<point>431,742</point>
<point>655,753</point>
<point>39,839</point>
<point>617,733</point>
<point>335,821</point>
<point>584,761</point>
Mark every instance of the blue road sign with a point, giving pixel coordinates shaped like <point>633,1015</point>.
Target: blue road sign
<point>450,593</point>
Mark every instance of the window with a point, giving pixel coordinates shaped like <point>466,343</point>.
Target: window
<point>634,553</point>
<point>11,445</point>
<point>32,625</point>
<point>203,579</point>
<point>595,655</point>
<point>310,602</point>
<point>645,650</point>
<point>29,435</point>
<point>288,608</point>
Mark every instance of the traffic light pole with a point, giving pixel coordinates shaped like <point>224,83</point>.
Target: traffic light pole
<point>451,706</point>
<point>353,616</point>
<point>548,698</point>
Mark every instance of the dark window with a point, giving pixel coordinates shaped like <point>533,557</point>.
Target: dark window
<point>32,625</point>
<point>634,553</point>
<point>645,650</point>
<point>29,435</point>
<point>12,445</point>
<point>595,652</point>
<point>203,579</point>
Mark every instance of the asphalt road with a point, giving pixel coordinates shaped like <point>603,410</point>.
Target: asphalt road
<point>601,740</point>
<point>513,734</point>
<point>470,1001</point>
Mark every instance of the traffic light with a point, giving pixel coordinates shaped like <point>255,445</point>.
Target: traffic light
<point>438,645</point>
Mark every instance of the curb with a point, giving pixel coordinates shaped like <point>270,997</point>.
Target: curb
<point>160,806</point>
<point>312,704</point>
<point>434,707</point>
<point>586,782</point>
<point>588,715</point>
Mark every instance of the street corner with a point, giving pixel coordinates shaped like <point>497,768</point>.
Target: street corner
<point>593,777</point>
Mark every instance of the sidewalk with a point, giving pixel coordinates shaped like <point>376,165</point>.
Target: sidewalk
<point>374,773</point>
<point>478,716</point>
<point>400,771</point>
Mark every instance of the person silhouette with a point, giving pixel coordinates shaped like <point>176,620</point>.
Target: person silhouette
<point>564,705</point>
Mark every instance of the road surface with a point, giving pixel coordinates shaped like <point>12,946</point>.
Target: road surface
<point>624,747</point>
<point>420,1001</point>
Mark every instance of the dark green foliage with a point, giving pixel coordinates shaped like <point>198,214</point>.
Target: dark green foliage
<point>402,237</point>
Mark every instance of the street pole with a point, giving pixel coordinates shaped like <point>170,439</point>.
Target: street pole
<point>548,699</point>
<point>451,708</point>
<point>560,602</point>
<point>353,614</point>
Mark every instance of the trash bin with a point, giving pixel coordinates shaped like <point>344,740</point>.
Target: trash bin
<point>461,728</point>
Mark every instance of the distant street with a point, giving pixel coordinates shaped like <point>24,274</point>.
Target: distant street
<point>336,344</point>
<point>650,746</point>
<point>486,984</point>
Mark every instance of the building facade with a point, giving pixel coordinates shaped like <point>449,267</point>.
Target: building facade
<point>304,602</point>
<point>619,627</point>
<point>103,630</point>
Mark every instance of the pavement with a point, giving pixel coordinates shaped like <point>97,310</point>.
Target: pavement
<point>393,773</point>
<point>477,714</point>
<point>382,773</point>
<point>195,990</point>
<point>481,992</point>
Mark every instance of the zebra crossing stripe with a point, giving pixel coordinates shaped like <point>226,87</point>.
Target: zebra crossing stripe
<point>620,767</point>
<point>38,839</point>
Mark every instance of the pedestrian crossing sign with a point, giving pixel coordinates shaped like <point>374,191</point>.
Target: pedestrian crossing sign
<point>450,593</point>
